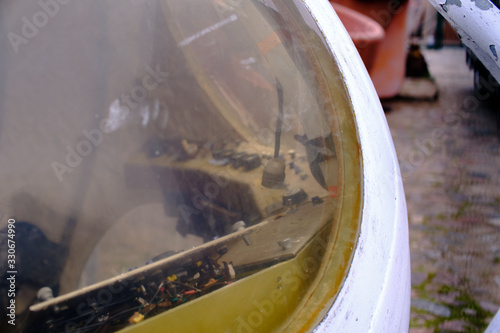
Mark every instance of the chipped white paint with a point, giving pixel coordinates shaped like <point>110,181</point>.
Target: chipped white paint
<point>376,294</point>
<point>478,24</point>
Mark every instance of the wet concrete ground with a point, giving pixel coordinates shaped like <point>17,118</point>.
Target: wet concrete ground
<point>449,153</point>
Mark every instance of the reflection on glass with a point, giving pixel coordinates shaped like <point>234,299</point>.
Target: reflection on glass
<point>162,150</point>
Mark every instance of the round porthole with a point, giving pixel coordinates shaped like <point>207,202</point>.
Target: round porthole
<point>184,165</point>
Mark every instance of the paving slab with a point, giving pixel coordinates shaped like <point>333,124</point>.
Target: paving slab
<point>449,154</point>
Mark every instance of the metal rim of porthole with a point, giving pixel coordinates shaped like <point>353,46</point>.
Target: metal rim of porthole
<point>375,295</point>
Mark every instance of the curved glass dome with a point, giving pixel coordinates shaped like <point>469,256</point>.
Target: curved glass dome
<point>177,164</point>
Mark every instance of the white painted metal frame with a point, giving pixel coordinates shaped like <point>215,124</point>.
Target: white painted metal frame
<point>376,294</point>
<point>478,24</point>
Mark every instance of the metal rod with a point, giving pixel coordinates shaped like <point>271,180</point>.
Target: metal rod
<point>279,123</point>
